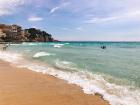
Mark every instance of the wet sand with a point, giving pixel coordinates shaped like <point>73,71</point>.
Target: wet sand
<point>24,87</point>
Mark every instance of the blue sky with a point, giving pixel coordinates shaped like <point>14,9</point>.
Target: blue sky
<point>103,20</point>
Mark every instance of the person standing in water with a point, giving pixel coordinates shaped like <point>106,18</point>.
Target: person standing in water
<point>103,47</point>
<point>5,47</point>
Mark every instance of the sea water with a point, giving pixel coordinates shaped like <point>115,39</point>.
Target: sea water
<point>113,72</point>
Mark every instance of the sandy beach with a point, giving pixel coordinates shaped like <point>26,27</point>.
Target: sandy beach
<point>24,87</point>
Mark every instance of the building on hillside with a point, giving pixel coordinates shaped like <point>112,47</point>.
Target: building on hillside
<point>2,35</point>
<point>7,30</point>
<point>25,35</point>
<point>13,32</point>
<point>16,32</point>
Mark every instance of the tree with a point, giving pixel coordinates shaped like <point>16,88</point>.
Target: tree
<point>36,34</point>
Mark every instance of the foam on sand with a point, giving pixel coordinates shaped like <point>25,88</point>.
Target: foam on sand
<point>89,82</point>
<point>10,57</point>
<point>95,83</point>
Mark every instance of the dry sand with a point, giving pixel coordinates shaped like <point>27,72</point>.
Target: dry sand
<point>24,87</point>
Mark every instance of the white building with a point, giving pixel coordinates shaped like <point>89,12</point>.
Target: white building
<point>2,34</point>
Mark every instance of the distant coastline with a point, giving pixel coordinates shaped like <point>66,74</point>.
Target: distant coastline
<point>15,33</point>
<point>105,41</point>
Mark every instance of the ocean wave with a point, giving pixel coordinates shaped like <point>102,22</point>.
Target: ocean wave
<point>30,44</point>
<point>94,83</point>
<point>89,82</point>
<point>66,65</point>
<point>58,45</point>
<point>14,44</point>
<point>10,57</point>
<point>27,50</point>
<point>40,54</point>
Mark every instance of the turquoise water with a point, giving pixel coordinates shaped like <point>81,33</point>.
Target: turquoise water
<point>113,72</point>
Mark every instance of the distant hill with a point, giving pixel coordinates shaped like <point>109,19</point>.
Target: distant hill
<point>38,35</point>
<point>15,33</point>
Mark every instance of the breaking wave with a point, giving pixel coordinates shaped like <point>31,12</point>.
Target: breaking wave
<point>89,82</point>
<point>41,54</point>
<point>58,45</point>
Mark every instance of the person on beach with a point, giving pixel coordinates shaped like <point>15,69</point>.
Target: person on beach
<point>5,47</point>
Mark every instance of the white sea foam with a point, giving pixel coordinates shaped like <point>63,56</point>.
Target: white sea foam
<point>30,44</point>
<point>90,83</point>
<point>58,45</point>
<point>40,54</point>
<point>93,83</point>
<point>14,44</point>
<point>10,57</point>
<point>65,65</point>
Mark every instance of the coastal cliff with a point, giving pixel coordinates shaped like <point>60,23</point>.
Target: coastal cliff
<point>15,33</point>
<point>36,35</point>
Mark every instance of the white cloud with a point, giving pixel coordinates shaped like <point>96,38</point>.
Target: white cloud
<point>59,7</point>
<point>8,6</point>
<point>54,9</point>
<point>121,17</point>
<point>79,28</point>
<point>72,29</point>
<point>66,29</point>
<point>35,18</point>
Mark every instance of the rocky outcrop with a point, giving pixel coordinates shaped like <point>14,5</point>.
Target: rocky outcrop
<point>38,35</point>
<point>15,33</point>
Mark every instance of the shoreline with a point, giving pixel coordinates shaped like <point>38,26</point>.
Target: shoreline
<point>20,86</point>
